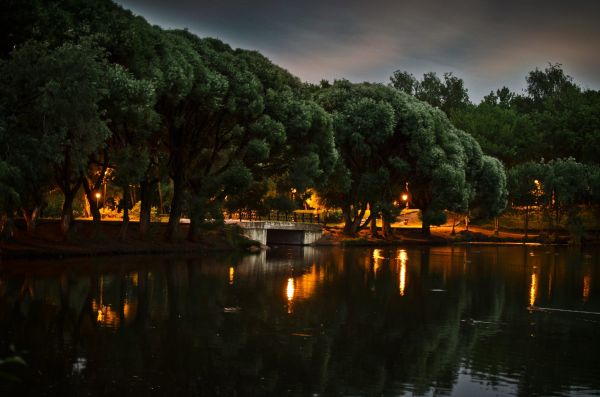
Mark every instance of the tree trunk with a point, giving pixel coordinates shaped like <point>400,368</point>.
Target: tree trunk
<point>194,230</point>
<point>92,202</point>
<point>146,205</point>
<point>526,221</point>
<point>467,222</point>
<point>67,214</point>
<point>94,209</point>
<point>125,224</point>
<point>385,227</point>
<point>347,220</point>
<point>31,217</point>
<point>374,224</point>
<point>6,227</point>
<point>358,217</point>
<point>453,224</point>
<point>176,207</point>
<point>496,226</point>
<point>425,228</point>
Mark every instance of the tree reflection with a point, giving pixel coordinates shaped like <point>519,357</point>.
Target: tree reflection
<point>327,321</point>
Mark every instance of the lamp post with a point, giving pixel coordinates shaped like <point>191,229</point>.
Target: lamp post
<point>98,195</point>
<point>405,199</point>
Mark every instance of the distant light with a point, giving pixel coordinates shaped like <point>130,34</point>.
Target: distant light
<point>404,197</point>
<point>290,289</point>
<point>98,195</point>
<point>403,257</point>
<point>533,289</point>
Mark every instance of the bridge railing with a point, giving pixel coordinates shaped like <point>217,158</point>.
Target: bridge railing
<point>296,216</point>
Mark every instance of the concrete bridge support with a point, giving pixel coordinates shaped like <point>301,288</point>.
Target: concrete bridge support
<point>284,233</point>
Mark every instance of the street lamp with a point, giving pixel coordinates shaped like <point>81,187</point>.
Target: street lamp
<point>405,199</point>
<point>98,195</point>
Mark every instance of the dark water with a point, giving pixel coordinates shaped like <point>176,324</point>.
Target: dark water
<point>473,321</point>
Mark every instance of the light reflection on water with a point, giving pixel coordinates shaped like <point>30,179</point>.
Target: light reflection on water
<point>329,321</point>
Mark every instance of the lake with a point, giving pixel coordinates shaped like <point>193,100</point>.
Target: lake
<point>473,320</point>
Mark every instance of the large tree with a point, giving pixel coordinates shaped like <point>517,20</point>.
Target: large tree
<point>53,107</point>
<point>406,140</point>
<point>449,94</point>
<point>525,188</point>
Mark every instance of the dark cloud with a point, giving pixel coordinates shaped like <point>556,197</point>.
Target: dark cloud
<point>487,43</point>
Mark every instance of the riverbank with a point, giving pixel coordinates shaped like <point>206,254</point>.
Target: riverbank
<point>86,240</point>
<point>441,235</point>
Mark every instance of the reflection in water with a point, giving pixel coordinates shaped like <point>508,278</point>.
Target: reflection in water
<point>289,291</point>
<point>586,287</point>
<point>377,259</point>
<point>533,287</point>
<point>550,282</point>
<point>402,257</point>
<point>231,274</point>
<point>106,317</point>
<point>305,322</point>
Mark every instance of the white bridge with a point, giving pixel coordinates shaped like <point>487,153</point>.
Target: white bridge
<point>279,232</point>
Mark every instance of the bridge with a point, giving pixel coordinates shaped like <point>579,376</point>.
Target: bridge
<point>281,232</point>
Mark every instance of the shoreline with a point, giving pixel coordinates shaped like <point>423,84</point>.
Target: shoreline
<point>47,243</point>
<point>85,241</point>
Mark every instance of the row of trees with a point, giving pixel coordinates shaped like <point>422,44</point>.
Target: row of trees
<point>548,136</point>
<point>86,87</point>
<point>107,90</point>
<point>386,138</point>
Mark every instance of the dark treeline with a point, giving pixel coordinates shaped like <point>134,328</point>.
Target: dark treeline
<point>87,87</point>
<point>548,136</point>
<point>87,90</point>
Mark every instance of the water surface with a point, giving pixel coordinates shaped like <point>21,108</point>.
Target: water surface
<point>464,321</point>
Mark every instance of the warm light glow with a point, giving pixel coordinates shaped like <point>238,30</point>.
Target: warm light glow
<point>378,254</point>
<point>587,280</point>
<point>378,257</point>
<point>404,197</point>
<point>134,279</point>
<point>105,316</point>
<point>98,195</point>
<point>127,310</point>
<point>403,257</point>
<point>231,275</point>
<point>533,289</point>
<point>289,291</point>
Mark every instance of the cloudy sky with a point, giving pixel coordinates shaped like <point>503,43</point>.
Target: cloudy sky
<point>488,43</point>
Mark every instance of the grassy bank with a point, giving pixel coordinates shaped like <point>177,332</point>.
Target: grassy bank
<point>85,239</point>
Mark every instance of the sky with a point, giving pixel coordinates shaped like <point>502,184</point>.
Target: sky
<point>487,43</point>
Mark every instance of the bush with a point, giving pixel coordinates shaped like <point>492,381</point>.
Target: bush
<point>332,216</point>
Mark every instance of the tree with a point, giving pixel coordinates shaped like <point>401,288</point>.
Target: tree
<point>593,176</point>
<point>492,193</point>
<point>565,185</point>
<point>525,187</point>
<point>418,145</point>
<point>362,126</point>
<point>449,95</point>
<point>9,198</point>
<point>502,131</point>
<point>53,108</point>
<point>404,81</point>
<point>132,120</point>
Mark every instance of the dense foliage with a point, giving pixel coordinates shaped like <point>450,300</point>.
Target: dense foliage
<point>548,136</point>
<point>90,93</point>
